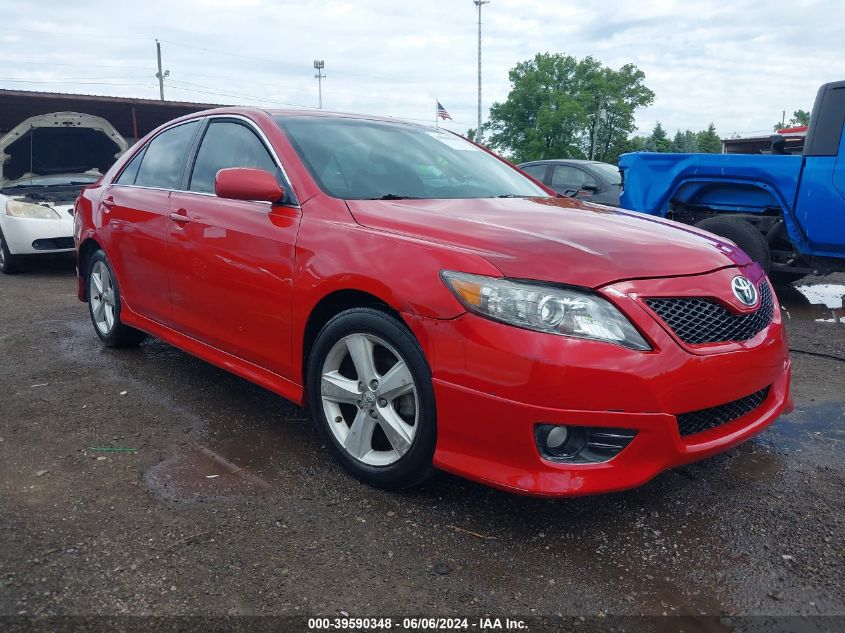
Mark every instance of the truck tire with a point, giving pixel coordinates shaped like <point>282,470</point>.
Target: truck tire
<point>743,234</point>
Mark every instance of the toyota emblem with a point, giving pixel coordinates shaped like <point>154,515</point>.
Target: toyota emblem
<point>744,290</point>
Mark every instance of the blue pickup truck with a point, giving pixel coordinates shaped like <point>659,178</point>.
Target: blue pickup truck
<point>786,211</point>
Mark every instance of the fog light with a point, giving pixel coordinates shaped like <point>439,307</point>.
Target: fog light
<point>557,437</point>
<point>581,444</point>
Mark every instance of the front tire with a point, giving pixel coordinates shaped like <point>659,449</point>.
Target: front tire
<point>372,399</point>
<point>8,262</point>
<point>104,305</point>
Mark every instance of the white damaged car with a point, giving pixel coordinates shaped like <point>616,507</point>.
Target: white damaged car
<point>44,163</point>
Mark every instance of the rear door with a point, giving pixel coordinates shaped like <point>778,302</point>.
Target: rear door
<point>135,211</point>
<point>231,262</point>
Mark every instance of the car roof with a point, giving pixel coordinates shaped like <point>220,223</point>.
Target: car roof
<point>299,112</point>
<point>576,161</point>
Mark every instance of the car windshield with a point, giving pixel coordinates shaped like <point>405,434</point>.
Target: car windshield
<point>357,159</point>
<point>609,172</point>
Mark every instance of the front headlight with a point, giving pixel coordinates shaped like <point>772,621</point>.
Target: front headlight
<point>562,311</point>
<point>18,209</point>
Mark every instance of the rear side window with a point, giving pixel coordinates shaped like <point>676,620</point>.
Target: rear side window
<point>130,172</point>
<point>164,159</point>
<point>536,171</point>
<point>225,145</point>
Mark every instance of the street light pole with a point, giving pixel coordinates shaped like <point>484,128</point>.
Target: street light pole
<point>479,4</point>
<point>319,64</point>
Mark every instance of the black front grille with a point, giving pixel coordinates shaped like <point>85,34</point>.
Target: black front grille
<point>53,244</point>
<point>706,419</point>
<point>697,320</point>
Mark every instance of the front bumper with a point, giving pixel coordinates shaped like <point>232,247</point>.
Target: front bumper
<point>31,236</point>
<point>493,383</point>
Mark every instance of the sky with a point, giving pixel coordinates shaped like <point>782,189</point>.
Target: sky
<point>737,64</point>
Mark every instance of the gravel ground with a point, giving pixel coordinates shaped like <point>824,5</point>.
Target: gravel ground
<point>227,504</point>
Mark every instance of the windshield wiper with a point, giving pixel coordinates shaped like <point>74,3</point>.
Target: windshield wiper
<point>510,195</point>
<point>392,196</point>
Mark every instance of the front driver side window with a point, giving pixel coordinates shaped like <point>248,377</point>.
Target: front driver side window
<point>227,144</point>
<point>567,177</point>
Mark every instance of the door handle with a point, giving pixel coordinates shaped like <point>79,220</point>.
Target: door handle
<point>108,202</point>
<point>180,216</point>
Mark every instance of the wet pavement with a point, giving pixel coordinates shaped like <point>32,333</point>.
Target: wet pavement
<point>820,302</point>
<point>147,481</point>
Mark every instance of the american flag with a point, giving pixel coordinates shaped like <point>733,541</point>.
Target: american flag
<point>441,112</point>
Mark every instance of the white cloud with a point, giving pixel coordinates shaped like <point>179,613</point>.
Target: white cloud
<point>737,64</point>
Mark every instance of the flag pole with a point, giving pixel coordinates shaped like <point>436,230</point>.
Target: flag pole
<point>436,118</point>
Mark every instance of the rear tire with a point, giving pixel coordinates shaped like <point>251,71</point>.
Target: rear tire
<point>104,304</point>
<point>8,262</point>
<point>372,400</point>
<point>743,234</point>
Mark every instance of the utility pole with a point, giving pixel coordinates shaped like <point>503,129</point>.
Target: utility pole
<point>479,4</point>
<point>319,65</point>
<point>160,75</point>
<point>600,113</point>
<point>783,120</point>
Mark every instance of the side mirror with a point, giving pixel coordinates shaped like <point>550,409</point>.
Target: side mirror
<point>245,183</point>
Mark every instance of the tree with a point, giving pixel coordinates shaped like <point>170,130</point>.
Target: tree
<point>685,142</point>
<point>708,141</point>
<point>659,140</point>
<point>559,106</point>
<point>799,117</point>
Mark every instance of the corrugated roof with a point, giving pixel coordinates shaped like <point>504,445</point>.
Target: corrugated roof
<point>18,105</point>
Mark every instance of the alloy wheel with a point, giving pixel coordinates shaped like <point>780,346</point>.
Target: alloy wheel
<point>102,297</point>
<point>370,399</point>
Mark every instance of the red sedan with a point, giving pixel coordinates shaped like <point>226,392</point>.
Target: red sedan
<point>432,305</point>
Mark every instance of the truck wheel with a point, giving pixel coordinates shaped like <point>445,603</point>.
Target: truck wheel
<point>743,234</point>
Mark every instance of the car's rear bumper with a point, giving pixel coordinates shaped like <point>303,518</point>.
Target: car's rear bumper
<point>494,383</point>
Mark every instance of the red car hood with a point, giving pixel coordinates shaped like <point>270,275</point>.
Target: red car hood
<point>555,239</point>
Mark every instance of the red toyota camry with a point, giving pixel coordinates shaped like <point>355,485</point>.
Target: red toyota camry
<point>432,305</point>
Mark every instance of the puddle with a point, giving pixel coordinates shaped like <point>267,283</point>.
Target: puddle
<point>234,460</point>
<point>821,302</point>
<point>809,426</point>
<point>756,466</point>
<point>197,472</point>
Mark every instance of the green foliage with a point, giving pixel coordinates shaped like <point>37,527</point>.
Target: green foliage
<point>708,141</point>
<point>687,142</point>
<point>553,109</point>
<point>799,117</point>
<point>659,140</point>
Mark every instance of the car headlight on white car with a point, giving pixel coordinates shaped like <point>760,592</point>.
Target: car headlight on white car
<point>18,209</point>
<point>550,309</point>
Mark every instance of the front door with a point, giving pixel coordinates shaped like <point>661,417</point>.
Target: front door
<point>232,261</point>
